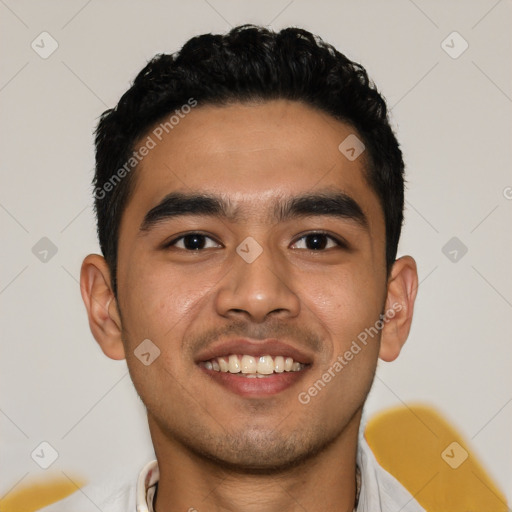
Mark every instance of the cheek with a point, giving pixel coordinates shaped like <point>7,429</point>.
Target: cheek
<point>344,301</point>
<point>161,301</point>
<point>159,305</point>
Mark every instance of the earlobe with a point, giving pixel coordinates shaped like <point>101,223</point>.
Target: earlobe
<point>401,294</point>
<point>101,305</point>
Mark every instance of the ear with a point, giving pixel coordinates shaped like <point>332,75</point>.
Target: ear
<point>101,305</point>
<point>401,294</point>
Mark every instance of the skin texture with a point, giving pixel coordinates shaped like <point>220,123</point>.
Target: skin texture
<point>217,450</point>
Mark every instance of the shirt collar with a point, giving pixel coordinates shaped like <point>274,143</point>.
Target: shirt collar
<point>148,481</point>
<point>146,486</point>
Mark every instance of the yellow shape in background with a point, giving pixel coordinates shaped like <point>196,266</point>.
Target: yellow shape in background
<point>40,493</point>
<point>432,461</point>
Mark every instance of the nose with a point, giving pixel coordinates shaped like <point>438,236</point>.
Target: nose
<point>257,290</point>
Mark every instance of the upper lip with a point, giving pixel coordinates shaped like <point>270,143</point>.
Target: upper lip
<point>271,347</point>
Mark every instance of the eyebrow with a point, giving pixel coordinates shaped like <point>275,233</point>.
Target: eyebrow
<point>176,204</point>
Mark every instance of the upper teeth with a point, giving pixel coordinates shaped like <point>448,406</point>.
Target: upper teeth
<point>263,365</point>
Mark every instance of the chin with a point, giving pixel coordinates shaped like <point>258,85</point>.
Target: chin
<point>262,452</point>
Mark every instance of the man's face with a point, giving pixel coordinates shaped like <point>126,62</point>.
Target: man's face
<point>190,283</point>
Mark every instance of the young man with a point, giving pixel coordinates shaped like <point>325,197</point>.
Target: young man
<point>249,195</point>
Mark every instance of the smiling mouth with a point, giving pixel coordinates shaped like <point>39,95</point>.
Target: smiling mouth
<point>244,365</point>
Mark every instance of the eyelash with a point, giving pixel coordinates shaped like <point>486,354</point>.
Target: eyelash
<point>338,241</point>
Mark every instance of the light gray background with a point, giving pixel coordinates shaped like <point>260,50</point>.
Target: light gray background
<point>452,116</point>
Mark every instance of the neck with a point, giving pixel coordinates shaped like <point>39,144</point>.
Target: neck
<point>326,481</point>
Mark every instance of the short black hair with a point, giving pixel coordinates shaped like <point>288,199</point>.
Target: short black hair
<point>249,63</point>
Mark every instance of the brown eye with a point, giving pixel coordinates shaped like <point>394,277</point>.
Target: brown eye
<point>317,242</point>
<point>193,242</point>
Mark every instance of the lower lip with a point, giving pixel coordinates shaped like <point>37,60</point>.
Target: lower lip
<point>255,387</point>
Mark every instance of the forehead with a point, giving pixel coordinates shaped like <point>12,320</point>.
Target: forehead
<point>250,154</point>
